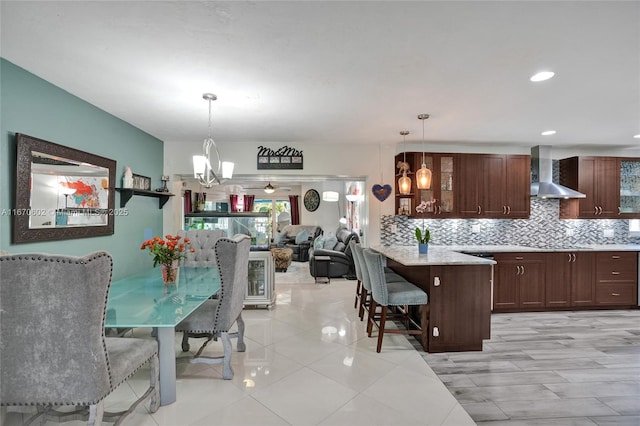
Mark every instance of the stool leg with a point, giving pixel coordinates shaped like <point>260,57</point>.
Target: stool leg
<point>363,302</point>
<point>383,320</point>
<point>424,324</point>
<point>372,311</point>
<point>355,303</point>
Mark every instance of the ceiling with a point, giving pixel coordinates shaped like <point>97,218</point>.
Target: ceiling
<point>344,71</point>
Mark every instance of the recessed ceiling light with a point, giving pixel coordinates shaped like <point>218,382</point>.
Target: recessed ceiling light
<point>542,76</point>
<point>548,133</point>
<point>637,136</point>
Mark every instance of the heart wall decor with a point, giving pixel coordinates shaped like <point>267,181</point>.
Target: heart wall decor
<point>381,192</point>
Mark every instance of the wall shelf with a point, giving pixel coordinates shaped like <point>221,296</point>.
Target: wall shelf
<point>127,193</point>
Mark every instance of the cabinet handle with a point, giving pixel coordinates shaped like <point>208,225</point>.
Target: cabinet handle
<point>600,209</point>
<point>615,273</point>
<point>523,270</point>
<point>479,210</point>
<point>615,257</point>
<point>504,209</point>
<point>570,257</point>
<point>439,210</point>
<point>519,258</point>
<point>615,294</point>
<point>508,209</point>
<point>619,211</point>
<point>596,210</point>
<point>574,256</point>
<point>517,270</point>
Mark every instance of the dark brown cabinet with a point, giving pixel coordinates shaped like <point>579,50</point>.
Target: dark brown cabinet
<point>494,186</point>
<point>569,279</point>
<point>519,282</point>
<point>596,177</point>
<point>616,282</point>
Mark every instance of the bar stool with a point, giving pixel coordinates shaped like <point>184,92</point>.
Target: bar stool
<point>399,294</point>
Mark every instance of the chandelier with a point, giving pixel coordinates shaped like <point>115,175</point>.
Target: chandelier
<point>203,170</point>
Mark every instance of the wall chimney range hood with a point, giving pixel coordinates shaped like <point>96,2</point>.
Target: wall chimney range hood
<point>542,185</point>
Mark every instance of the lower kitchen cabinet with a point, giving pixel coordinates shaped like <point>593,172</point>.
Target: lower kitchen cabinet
<point>616,282</point>
<point>519,282</point>
<point>569,279</point>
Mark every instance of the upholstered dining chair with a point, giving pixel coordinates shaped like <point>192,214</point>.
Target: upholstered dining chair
<point>398,294</point>
<point>54,348</point>
<point>217,316</point>
<point>203,242</point>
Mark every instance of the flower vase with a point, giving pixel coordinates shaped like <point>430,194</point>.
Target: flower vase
<point>170,272</point>
<point>423,248</point>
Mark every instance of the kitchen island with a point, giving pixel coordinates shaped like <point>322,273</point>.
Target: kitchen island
<point>459,289</point>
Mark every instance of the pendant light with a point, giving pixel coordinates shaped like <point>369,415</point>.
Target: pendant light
<point>203,169</point>
<point>423,176</point>
<point>269,189</point>
<point>404,183</point>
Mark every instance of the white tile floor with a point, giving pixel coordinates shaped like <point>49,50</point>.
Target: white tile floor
<point>308,362</point>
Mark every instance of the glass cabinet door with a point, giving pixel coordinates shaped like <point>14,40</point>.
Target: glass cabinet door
<point>440,197</point>
<point>630,186</point>
<point>261,283</point>
<point>446,202</point>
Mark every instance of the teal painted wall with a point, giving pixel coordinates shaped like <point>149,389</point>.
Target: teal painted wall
<point>33,106</point>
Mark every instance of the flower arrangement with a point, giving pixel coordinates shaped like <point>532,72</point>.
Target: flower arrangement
<point>166,250</point>
<point>422,235</point>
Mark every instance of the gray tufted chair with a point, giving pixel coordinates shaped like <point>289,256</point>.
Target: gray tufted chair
<point>203,242</point>
<point>54,348</point>
<point>397,294</point>
<point>216,316</point>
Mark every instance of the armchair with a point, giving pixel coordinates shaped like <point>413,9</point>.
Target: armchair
<point>290,237</point>
<point>54,348</point>
<point>216,316</point>
<point>341,264</point>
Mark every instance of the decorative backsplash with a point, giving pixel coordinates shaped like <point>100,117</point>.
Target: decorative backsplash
<point>543,229</point>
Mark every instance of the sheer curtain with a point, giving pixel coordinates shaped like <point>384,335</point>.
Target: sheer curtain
<point>295,209</point>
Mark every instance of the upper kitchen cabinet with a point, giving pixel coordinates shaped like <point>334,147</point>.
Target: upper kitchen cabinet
<point>440,196</point>
<point>629,187</point>
<point>494,186</point>
<point>596,177</point>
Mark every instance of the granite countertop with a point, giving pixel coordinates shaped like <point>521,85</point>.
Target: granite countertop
<point>438,255</point>
<point>452,255</point>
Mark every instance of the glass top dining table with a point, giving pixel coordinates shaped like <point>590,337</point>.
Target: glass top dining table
<point>143,300</point>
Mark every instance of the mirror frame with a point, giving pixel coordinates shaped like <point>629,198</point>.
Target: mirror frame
<point>25,145</point>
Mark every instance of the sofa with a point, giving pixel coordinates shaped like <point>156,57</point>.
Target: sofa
<point>298,238</point>
<point>337,248</point>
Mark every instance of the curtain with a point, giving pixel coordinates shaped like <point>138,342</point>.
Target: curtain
<point>248,202</point>
<point>295,209</point>
<point>233,200</point>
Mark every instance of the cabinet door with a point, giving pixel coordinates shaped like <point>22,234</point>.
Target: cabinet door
<point>492,185</point>
<point>608,186</point>
<point>468,193</point>
<point>518,186</point>
<point>587,185</point>
<point>630,187</point>
<point>582,279</point>
<point>558,279</point>
<point>531,283</point>
<point>505,285</point>
<point>446,189</point>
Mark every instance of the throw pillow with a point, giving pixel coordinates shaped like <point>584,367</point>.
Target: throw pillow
<point>330,241</point>
<point>280,237</point>
<point>302,236</point>
<point>318,243</point>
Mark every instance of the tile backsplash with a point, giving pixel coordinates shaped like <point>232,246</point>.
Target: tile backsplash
<point>542,229</point>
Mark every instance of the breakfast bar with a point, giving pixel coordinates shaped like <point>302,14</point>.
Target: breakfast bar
<point>459,289</point>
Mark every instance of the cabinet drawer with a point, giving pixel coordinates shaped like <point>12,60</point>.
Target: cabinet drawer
<point>616,293</point>
<point>519,257</point>
<point>616,266</point>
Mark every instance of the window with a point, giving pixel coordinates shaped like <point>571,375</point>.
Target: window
<point>280,212</point>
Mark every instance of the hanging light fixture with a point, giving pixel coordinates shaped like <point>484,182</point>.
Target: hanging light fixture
<point>423,176</point>
<point>202,167</point>
<point>404,183</point>
<point>269,189</point>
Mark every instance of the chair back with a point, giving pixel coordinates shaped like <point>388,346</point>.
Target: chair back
<point>52,312</point>
<point>203,242</point>
<point>232,257</point>
<point>359,255</point>
<point>356,260</point>
<point>375,267</point>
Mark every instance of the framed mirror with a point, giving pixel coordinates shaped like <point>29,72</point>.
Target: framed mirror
<point>61,192</point>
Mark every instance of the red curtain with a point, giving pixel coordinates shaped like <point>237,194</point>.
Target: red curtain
<point>248,202</point>
<point>295,209</point>
<point>233,199</point>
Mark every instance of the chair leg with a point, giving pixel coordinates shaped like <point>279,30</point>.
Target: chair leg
<point>185,341</point>
<point>240,345</point>
<point>370,317</point>
<point>227,372</point>
<point>155,378</point>
<point>95,413</point>
<point>383,320</point>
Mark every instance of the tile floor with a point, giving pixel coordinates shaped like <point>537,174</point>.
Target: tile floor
<point>309,362</point>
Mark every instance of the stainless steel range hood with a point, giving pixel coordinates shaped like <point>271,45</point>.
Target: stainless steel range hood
<point>542,185</point>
